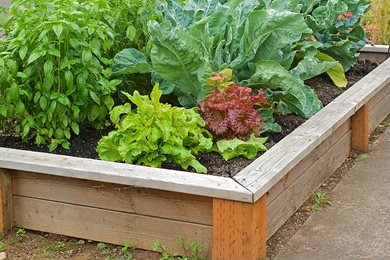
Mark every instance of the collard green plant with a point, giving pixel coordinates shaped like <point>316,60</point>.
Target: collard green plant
<point>336,25</point>
<point>155,134</point>
<point>191,40</point>
<point>55,64</point>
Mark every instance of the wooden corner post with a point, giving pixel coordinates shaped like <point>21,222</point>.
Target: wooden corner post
<point>239,229</point>
<point>6,205</point>
<point>360,132</point>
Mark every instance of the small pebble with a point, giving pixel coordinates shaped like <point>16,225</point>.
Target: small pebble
<point>3,255</point>
<point>81,242</point>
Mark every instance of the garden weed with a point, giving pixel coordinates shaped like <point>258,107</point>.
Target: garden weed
<point>191,252</point>
<point>321,200</point>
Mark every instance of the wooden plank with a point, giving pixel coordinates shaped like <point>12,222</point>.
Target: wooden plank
<point>6,204</point>
<point>359,126</point>
<point>308,161</point>
<point>366,88</point>
<point>272,166</point>
<point>377,48</point>
<point>239,229</point>
<point>377,53</point>
<point>105,226</point>
<point>295,193</point>
<point>379,108</point>
<point>126,174</point>
<point>141,201</point>
<point>373,56</point>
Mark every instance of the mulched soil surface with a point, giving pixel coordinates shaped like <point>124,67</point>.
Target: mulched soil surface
<point>85,144</point>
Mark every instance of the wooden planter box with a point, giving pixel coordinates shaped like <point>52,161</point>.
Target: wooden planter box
<point>233,217</point>
<point>377,53</point>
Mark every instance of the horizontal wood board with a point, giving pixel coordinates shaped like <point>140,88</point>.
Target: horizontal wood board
<point>104,225</point>
<point>260,176</point>
<point>305,164</point>
<point>375,49</point>
<point>140,201</point>
<point>377,53</point>
<point>378,57</point>
<point>305,182</point>
<point>125,174</point>
<point>378,108</point>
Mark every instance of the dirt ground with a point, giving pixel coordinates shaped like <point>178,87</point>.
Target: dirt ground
<point>29,245</point>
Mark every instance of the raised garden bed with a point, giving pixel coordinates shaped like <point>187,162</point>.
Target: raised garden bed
<point>233,217</point>
<point>376,53</point>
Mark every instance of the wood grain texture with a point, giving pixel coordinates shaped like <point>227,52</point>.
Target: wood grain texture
<point>105,226</point>
<point>239,230</point>
<point>6,203</point>
<point>294,193</point>
<point>305,164</point>
<point>126,174</point>
<point>379,108</point>
<point>272,166</point>
<point>360,132</point>
<point>141,201</point>
<point>378,48</point>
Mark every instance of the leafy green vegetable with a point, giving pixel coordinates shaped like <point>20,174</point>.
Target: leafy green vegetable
<point>155,134</point>
<point>235,147</point>
<point>191,40</point>
<point>336,72</point>
<point>55,64</point>
<point>336,24</point>
<point>299,98</point>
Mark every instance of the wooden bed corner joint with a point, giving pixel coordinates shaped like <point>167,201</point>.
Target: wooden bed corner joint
<point>239,229</point>
<point>6,205</point>
<point>360,129</point>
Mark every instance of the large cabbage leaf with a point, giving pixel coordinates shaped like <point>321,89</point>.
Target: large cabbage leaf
<point>299,98</point>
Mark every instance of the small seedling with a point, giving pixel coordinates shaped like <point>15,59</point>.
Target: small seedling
<point>57,247</point>
<point>321,200</point>
<point>80,242</point>
<point>165,254</point>
<point>126,251</point>
<point>3,246</point>
<point>20,234</point>
<point>362,157</point>
<point>196,248</point>
<point>103,248</point>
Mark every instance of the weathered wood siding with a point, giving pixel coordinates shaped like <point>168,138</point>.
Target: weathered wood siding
<point>293,189</point>
<point>379,108</point>
<point>108,212</point>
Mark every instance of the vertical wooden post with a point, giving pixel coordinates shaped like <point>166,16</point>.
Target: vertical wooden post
<point>360,132</point>
<point>6,205</point>
<point>239,229</point>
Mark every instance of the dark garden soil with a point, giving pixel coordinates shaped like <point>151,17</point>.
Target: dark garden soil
<point>85,144</point>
